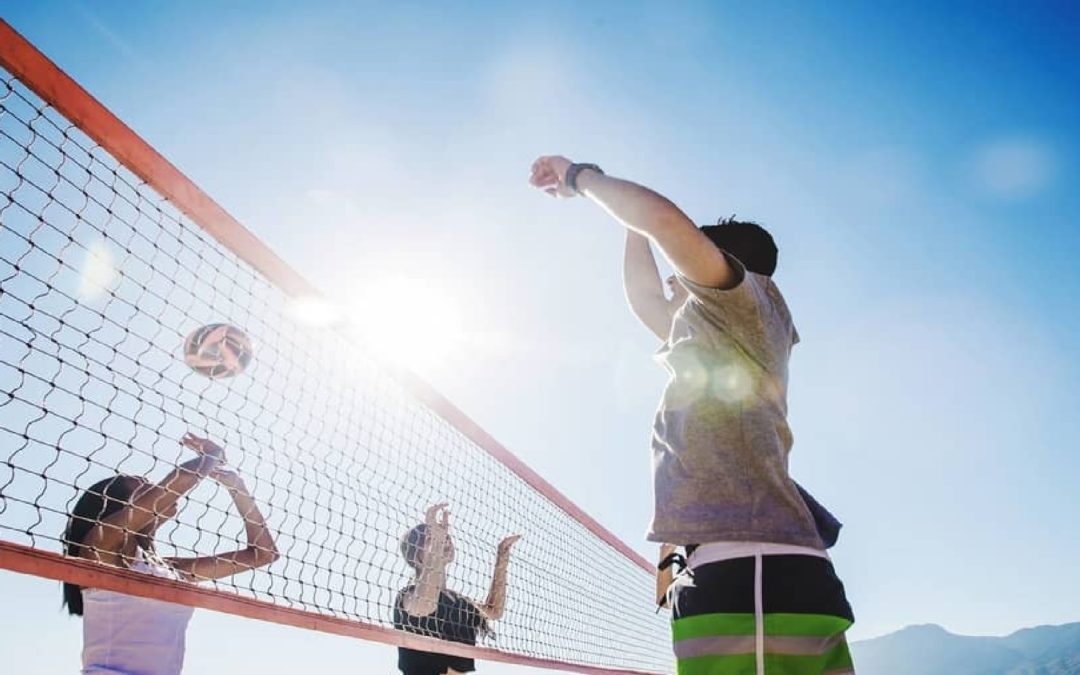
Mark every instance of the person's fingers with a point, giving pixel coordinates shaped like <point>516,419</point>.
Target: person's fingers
<point>432,513</point>
<point>544,172</point>
<point>543,176</point>
<point>509,541</point>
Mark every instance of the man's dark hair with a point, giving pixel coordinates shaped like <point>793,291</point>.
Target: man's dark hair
<point>747,241</point>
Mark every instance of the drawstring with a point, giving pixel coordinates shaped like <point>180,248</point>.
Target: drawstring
<point>675,558</point>
<point>682,568</point>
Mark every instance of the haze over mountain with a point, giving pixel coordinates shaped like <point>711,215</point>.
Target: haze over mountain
<point>931,650</point>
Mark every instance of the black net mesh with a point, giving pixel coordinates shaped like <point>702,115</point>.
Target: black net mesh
<point>101,281</point>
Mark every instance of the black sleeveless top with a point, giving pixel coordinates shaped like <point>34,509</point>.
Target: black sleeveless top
<point>455,619</point>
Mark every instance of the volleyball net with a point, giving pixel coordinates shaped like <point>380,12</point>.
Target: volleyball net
<point>109,259</point>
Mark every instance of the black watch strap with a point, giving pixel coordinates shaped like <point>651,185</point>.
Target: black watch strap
<point>575,169</point>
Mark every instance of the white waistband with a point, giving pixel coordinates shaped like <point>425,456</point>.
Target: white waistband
<point>718,551</point>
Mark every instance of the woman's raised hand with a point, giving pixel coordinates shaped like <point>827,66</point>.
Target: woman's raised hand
<point>228,478</point>
<point>437,520</point>
<point>203,446</point>
<point>503,552</point>
<point>438,516</point>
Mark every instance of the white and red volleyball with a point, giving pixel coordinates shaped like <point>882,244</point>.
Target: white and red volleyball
<point>218,350</point>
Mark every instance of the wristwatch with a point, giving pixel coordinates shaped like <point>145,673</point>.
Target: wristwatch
<point>573,171</point>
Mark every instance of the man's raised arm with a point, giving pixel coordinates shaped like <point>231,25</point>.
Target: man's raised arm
<point>644,211</point>
<point>644,290</point>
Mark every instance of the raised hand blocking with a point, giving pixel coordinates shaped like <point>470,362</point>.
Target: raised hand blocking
<point>548,173</point>
<point>203,446</point>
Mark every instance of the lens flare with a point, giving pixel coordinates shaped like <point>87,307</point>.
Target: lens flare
<point>731,383</point>
<point>314,311</point>
<point>98,272</point>
<point>1015,168</point>
<point>413,322</point>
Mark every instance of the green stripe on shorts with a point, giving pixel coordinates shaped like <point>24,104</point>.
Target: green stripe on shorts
<point>708,625</point>
<point>803,625</point>
<point>795,644</point>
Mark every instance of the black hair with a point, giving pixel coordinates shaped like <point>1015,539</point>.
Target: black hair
<point>750,243</point>
<point>97,502</point>
<point>412,545</point>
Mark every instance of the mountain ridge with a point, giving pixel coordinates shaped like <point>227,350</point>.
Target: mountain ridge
<point>930,649</point>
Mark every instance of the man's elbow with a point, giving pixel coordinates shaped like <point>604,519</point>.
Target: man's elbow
<point>654,316</point>
<point>644,304</point>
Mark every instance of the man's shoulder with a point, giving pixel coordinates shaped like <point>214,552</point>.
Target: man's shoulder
<point>776,300</point>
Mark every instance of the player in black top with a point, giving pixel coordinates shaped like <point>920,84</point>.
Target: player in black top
<point>427,607</point>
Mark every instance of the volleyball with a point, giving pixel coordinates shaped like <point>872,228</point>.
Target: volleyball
<point>217,350</point>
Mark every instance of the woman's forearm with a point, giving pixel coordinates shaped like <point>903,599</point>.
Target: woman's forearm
<point>259,537</point>
<point>424,598</point>
<point>496,600</point>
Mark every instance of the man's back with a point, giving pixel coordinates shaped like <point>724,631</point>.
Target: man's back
<point>758,593</point>
<point>720,438</point>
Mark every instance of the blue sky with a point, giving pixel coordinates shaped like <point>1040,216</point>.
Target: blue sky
<point>914,164</point>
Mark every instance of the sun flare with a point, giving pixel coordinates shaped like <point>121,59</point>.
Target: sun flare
<point>415,323</point>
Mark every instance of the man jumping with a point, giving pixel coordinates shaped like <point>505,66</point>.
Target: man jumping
<point>759,595</point>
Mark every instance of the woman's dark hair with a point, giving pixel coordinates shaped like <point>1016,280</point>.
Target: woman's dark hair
<point>97,502</point>
<point>748,242</point>
<point>412,545</point>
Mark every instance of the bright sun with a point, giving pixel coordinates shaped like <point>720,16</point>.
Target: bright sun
<point>414,323</point>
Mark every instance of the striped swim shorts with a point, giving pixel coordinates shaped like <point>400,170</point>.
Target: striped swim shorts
<point>761,615</point>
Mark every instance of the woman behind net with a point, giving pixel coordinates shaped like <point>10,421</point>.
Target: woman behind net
<point>114,522</point>
<point>427,607</point>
